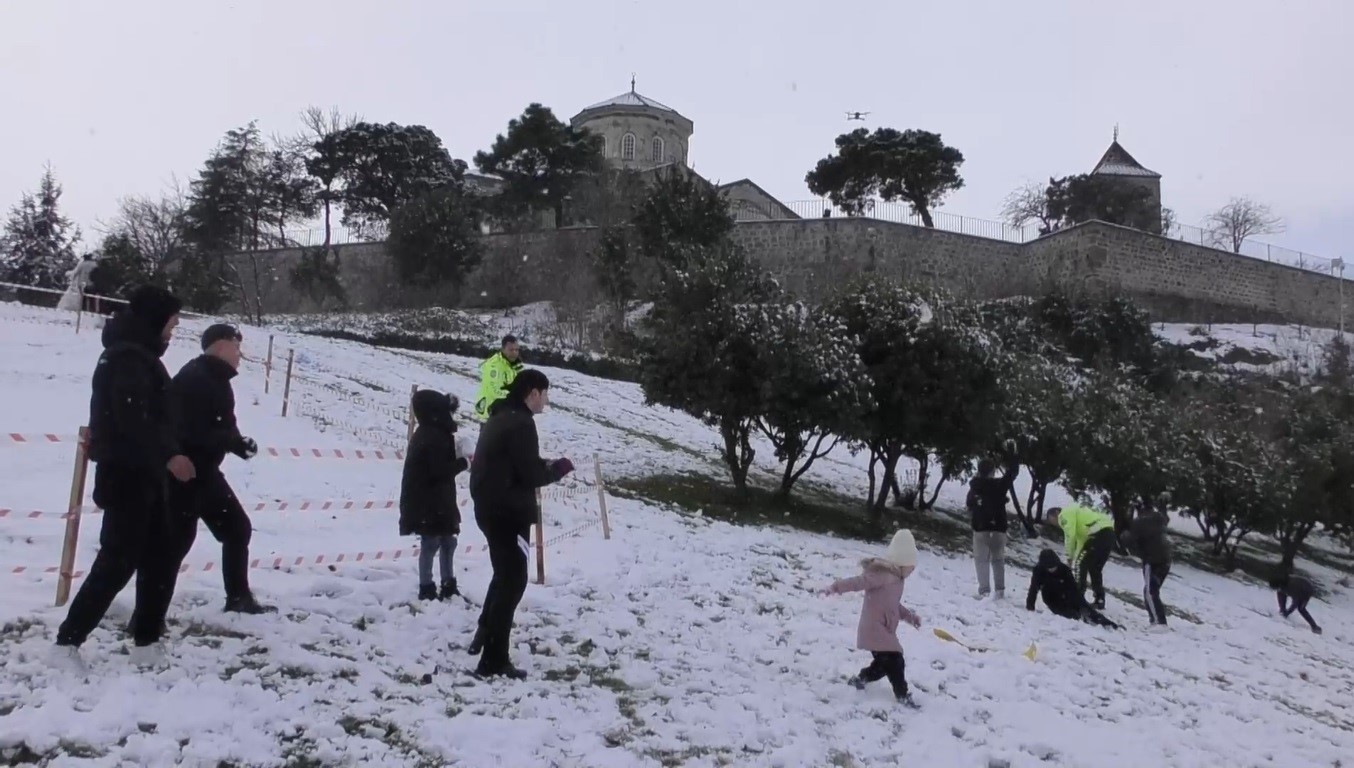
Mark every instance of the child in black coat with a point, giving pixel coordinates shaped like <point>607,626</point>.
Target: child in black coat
<point>1300,590</point>
<point>428,489</point>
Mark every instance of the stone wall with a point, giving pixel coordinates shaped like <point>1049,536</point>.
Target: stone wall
<point>1177,282</point>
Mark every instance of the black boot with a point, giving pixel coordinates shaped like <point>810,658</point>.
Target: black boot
<point>449,590</point>
<point>427,591</point>
<point>247,604</point>
<point>477,642</point>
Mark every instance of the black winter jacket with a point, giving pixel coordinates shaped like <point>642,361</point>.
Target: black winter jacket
<point>1298,588</point>
<point>131,418</point>
<point>508,469</point>
<point>987,501</point>
<point>204,404</point>
<point>1146,539</point>
<point>428,486</point>
<point>1054,580</point>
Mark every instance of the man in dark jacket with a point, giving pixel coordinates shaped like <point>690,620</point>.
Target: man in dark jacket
<point>1301,591</point>
<point>428,489</point>
<point>1055,582</point>
<point>136,458</point>
<point>1146,540</point>
<point>987,510</point>
<point>207,431</point>
<point>507,471</point>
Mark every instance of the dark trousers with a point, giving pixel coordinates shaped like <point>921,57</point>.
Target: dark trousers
<point>1298,605</point>
<point>209,498</point>
<point>508,558</point>
<point>888,664</point>
<point>1093,560</point>
<point>135,538</point>
<point>1153,576</point>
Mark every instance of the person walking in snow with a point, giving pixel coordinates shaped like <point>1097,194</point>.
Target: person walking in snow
<point>987,514</point>
<point>1088,538</point>
<point>507,471</point>
<point>137,458</point>
<point>881,580</point>
<point>428,505</point>
<point>207,430</point>
<point>1145,538</point>
<point>497,374</point>
<point>1053,581</point>
<point>1300,590</point>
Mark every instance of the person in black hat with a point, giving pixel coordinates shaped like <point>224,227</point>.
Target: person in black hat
<point>137,458</point>
<point>205,404</point>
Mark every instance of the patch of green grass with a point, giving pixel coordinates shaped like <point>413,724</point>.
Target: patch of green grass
<point>392,736</point>
<point>566,675</point>
<point>809,508</point>
<point>198,629</point>
<point>18,629</point>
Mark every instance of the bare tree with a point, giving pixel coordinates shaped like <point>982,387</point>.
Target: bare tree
<point>1242,217</point>
<point>320,125</point>
<point>1029,203</point>
<point>153,226</point>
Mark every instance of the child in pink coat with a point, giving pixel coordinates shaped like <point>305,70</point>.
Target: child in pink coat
<point>882,581</point>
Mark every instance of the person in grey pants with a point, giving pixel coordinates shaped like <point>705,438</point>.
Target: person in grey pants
<point>987,509</point>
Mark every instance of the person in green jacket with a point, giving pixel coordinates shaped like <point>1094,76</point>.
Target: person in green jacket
<point>1088,537</point>
<point>496,375</point>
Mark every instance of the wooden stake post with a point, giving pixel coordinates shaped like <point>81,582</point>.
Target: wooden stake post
<point>66,572</point>
<point>268,365</point>
<point>601,496</point>
<point>413,388</point>
<point>540,539</point>
<point>286,385</point>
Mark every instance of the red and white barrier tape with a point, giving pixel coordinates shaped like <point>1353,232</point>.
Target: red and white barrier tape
<point>275,563</point>
<point>301,505</point>
<point>49,438</point>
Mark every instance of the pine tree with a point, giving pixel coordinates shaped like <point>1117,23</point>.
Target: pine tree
<point>37,247</point>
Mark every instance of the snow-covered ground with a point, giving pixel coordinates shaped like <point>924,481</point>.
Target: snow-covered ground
<point>681,641</point>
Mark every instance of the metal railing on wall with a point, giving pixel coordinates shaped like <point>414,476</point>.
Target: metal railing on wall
<point>901,213</point>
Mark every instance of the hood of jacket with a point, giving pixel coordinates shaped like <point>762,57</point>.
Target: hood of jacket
<point>1048,560</point>
<point>125,328</point>
<point>432,408</point>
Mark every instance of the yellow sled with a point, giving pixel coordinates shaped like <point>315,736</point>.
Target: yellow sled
<point>1029,653</point>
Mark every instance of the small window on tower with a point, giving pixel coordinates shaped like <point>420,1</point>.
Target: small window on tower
<point>657,152</point>
<point>628,147</point>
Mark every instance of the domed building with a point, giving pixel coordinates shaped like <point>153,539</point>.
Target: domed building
<point>639,133</point>
<point>646,136</point>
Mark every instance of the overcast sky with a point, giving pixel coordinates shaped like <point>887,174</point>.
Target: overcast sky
<point>1222,97</point>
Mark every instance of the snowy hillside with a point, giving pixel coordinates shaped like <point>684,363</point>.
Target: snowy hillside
<point>681,641</point>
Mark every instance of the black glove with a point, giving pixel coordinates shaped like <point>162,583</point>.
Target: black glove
<point>247,448</point>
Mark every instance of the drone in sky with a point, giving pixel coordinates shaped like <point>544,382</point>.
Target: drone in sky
<point>856,116</point>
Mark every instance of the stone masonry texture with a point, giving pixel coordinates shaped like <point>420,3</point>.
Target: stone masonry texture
<point>1175,281</point>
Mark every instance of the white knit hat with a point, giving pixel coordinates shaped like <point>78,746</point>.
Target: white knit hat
<point>902,549</point>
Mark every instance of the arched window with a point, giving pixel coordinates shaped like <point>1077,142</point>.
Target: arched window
<point>657,151</point>
<point>628,147</point>
<point>603,143</point>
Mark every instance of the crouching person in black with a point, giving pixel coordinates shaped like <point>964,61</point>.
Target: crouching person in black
<point>428,506</point>
<point>207,431</point>
<point>1055,582</point>
<point>507,470</point>
<point>137,460</point>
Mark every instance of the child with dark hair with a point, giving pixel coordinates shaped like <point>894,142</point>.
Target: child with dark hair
<point>1300,590</point>
<point>428,490</point>
<point>1053,580</point>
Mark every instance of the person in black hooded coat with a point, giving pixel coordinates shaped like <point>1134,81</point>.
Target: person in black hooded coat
<point>504,478</point>
<point>136,456</point>
<point>1054,581</point>
<point>428,505</point>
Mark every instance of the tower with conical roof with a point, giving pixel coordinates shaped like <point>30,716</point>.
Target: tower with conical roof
<point>1120,167</point>
<point>639,132</point>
